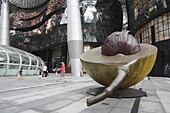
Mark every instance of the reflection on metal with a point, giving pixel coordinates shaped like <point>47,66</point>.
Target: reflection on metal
<point>12,59</point>
<point>28,3</point>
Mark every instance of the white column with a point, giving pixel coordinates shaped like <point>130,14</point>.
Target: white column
<point>74,36</point>
<point>4,26</point>
<point>0,24</point>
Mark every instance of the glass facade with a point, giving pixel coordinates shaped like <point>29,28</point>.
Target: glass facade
<point>158,29</point>
<point>54,36</point>
<point>97,22</point>
<point>12,59</point>
<point>149,21</point>
<point>141,11</point>
<point>99,19</point>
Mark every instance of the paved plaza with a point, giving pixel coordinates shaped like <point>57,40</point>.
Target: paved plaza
<point>46,95</point>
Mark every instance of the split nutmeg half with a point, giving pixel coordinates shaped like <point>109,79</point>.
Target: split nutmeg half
<point>119,63</point>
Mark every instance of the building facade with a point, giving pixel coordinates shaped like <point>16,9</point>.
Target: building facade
<point>98,18</point>
<point>149,21</point>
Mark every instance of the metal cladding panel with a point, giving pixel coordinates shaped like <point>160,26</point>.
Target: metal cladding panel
<point>28,3</point>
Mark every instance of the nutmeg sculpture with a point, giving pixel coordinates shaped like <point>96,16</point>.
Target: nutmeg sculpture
<point>119,63</point>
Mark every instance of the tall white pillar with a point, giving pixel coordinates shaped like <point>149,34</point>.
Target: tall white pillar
<point>74,36</point>
<point>4,26</point>
<point>0,26</point>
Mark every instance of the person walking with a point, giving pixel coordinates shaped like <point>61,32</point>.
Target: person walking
<point>20,74</point>
<point>56,70</point>
<point>45,71</point>
<point>62,71</point>
<point>40,73</point>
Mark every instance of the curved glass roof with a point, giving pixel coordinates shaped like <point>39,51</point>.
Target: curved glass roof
<point>12,59</point>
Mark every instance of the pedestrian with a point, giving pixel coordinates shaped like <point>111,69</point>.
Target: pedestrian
<point>62,70</point>
<point>40,73</point>
<point>20,74</point>
<point>45,71</point>
<point>56,70</point>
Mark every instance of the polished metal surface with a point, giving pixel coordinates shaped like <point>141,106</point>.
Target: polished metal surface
<point>74,35</point>
<point>4,26</point>
<point>28,3</point>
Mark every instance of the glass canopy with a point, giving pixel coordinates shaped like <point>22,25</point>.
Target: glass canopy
<point>12,59</point>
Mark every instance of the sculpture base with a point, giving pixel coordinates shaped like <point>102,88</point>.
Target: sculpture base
<point>121,93</point>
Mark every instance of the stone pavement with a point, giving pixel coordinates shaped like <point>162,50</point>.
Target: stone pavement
<point>34,95</point>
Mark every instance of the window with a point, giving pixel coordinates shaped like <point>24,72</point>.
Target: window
<point>14,58</point>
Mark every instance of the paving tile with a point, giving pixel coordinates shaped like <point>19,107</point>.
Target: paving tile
<point>52,99</point>
<point>164,96</point>
<point>23,98</point>
<point>54,106</point>
<point>126,103</point>
<point>165,99</point>
<point>120,110</point>
<point>4,105</point>
<point>70,97</point>
<point>12,109</point>
<point>98,108</point>
<point>166,107</point>
<point>30,111</point>
<point>151,96</point>
<point>75,107</point>
<point>110,101</point>
<point>147,85</point>
<point>160,83</point>
<point>150,107</point>
<point>77,96</point>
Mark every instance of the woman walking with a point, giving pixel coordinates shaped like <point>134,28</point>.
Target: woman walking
<point>62,70</point>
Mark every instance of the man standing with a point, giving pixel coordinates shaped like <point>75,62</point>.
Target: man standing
<point>45,72</point>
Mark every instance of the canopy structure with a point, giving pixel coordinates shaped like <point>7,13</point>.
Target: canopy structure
<point>23,11</point>
<point>12,59</point>
<point>28,3</point>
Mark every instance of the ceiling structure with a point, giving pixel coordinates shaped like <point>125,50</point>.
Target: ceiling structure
<point>51,19</point>
<point>27,4</point>
<point>27,15</point>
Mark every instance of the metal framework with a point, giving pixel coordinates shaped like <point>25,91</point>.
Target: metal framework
<point>12,59</point>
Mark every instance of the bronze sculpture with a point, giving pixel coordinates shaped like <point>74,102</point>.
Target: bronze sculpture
<point>122,63</point>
